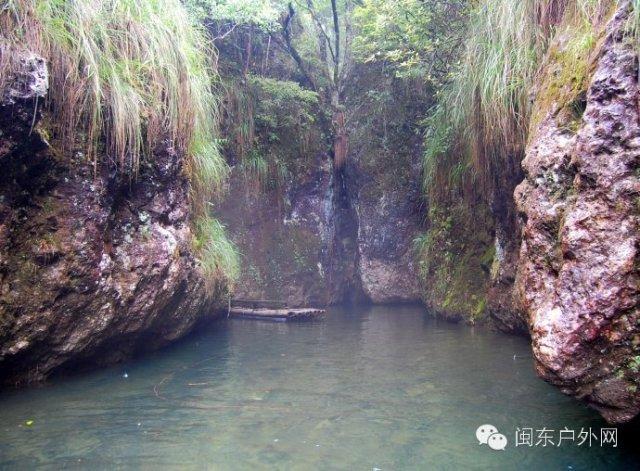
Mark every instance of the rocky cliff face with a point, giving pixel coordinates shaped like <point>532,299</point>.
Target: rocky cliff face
<point>286,236</point>
<point>385,181</point>
<point>308,232</point>
<point>93,266</point>
<point>503,307</point>
<point>578,274</point>
<point>388,221</point>
<point>286,208</point>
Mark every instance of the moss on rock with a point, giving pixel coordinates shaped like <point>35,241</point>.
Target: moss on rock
<point>455,256</point>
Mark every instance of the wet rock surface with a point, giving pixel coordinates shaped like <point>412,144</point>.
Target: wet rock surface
<point>322,234</point>
<point>287,236</point>
<point>503,306</point>
<point>94,267</point>
<point>388,220</point>
<point>577,274</point>
<point>385,182</point>
<point>25,83</point>
<point>324,237</point>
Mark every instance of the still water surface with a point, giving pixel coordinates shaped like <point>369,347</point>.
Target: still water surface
<point>369,388</point>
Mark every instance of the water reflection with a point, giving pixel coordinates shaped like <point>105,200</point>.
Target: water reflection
<point>383,387</point>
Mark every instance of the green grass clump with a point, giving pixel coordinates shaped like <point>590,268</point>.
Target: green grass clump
<point>255,166</point>
<point>634,24</point>
<point>131,72</point>
<point>481,122</point>
<point>519,54</point>
<point>218,256</point>
<point>635,20</point>
<point>128,77</point>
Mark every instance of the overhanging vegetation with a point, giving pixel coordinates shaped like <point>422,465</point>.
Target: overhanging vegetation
<point>127,77</point>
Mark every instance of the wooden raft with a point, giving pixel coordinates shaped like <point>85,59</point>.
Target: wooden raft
<point>251,310</point>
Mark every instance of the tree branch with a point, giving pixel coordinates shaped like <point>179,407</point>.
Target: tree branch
<point>320,28</point>
<point>289,47</point>
<point>336,31</point>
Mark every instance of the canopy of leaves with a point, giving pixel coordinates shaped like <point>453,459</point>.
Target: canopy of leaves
<point>417,37</point>
<point>281,103</point>
<point>261,13</point>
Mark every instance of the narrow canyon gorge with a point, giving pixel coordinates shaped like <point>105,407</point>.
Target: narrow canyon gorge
<point>321,190</point>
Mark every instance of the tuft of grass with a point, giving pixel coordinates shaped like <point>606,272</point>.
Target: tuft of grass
<point>218,257</point>
<point>635,20</point>
<point>131,72</point>
<point>255,166</point>
<point>480,124</point>
<point>128,77</point>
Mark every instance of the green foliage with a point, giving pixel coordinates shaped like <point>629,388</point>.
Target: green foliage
<point>440,135</point>
<point>272,121</point>
<point>419,38</point>
<point>476,133</point>
<point>218,256</point>
<point>486,108</point>
<point>282,104</point>
<point>261,13</point>
<point>255,166</point>
<point>567,65</point>
<point>634,364</point>
<point>130,76</point>
<point>453,257</point>
<point>132,72</point>
<point>635,21</point>
<point>284,117</point>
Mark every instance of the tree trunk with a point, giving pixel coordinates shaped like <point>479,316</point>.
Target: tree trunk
<point>340,140</point>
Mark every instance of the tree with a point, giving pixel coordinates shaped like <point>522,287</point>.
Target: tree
<point>419,38</point>
<point>326,38</point>
<point>328,57</point>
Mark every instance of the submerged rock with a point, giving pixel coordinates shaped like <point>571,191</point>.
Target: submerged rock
<point>94,266</point>
<point>577,274</point>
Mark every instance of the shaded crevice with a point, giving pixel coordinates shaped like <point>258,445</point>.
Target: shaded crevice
<point>345,250</point>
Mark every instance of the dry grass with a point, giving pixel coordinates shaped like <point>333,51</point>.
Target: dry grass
<point>129,72</point>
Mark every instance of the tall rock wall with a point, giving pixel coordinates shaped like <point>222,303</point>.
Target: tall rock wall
<point>286,235</point>
<point>385,180</point>
<point>577,275</point>
<point>307,231</point>
<point>94,267</point>
<point>286,207</point>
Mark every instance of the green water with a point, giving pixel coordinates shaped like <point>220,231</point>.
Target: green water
<point>380,388</point>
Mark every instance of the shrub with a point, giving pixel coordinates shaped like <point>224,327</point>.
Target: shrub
<point>272,122</point>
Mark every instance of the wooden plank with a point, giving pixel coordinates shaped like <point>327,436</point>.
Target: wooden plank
<point>258,303</point>
<point>276,314</point>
